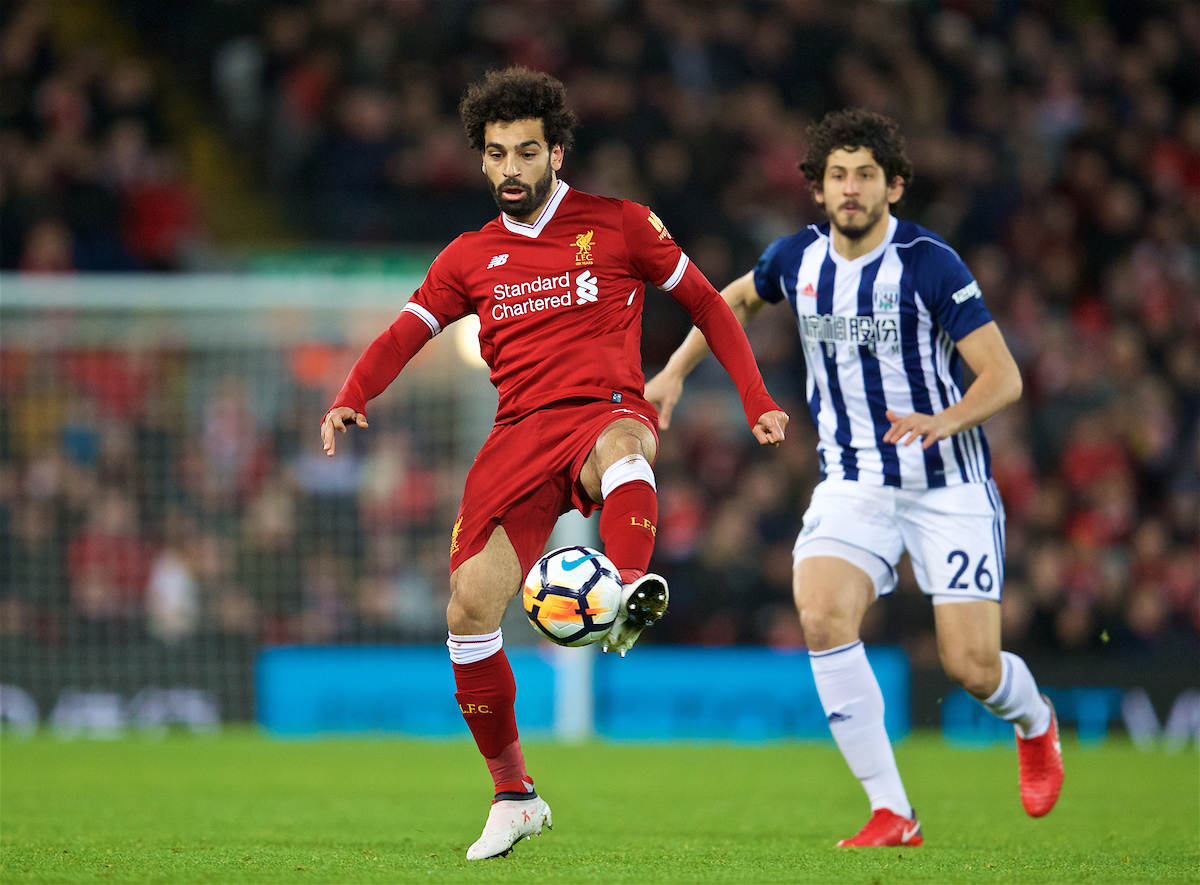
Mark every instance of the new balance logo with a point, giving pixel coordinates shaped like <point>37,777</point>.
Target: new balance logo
<point>498,260</point>
<point>838,717</point>
<point>586,289</point>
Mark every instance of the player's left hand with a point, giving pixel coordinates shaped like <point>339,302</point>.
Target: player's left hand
<point>907,429</point>
<point>769,428</point>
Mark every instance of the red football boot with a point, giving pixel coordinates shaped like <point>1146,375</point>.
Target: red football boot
<point>1040,762</point>
<point>886,828</point>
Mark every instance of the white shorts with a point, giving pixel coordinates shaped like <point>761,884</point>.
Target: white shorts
<point>954,535</point>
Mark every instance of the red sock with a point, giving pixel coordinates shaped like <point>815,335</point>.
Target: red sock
<point>486,695</point>
<point>628,523</point>
<point>508,773</point>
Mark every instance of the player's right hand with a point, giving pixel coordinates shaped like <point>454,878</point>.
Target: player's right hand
<point>336,419</point>
<point>663,392</point>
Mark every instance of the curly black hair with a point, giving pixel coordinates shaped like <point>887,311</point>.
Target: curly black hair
<point>854,128</point>
<point>517,93</point>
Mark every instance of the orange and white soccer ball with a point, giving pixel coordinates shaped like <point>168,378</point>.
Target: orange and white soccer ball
<point>572,595</point>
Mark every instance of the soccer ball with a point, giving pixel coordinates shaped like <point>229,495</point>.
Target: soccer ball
<point>572,595</point>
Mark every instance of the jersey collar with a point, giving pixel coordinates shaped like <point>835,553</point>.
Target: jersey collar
<point>532,230</point>
<point>863,260</point>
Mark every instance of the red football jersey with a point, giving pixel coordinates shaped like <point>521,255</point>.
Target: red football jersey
<point>560,301</point>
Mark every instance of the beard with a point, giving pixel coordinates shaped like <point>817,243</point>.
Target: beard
<point>534,196</point>
<point>868,218</point>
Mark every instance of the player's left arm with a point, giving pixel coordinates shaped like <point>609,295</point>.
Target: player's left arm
<point>723,333</point>
<point>997,384</point>
<point>664,389</point>
<point>656,258</point>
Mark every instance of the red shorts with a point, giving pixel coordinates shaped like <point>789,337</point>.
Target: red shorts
<point>527,475</point>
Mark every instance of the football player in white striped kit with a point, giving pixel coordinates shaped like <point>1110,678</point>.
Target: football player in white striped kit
<point>887,313</point>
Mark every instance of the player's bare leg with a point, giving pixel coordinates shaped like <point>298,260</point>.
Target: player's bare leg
<point>968,636</point>
<point>618,474</point>
<point>482,588</point>
<point>480,591</point>
<point>969,645</point>
<point>832,596</point>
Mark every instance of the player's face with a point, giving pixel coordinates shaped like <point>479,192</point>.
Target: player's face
<point>856,193</point>
<point>520,166</point>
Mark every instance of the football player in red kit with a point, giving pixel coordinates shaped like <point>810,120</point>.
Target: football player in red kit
<point>559,272</point>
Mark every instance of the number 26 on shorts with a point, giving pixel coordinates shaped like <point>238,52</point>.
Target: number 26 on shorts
<point>981,577</point>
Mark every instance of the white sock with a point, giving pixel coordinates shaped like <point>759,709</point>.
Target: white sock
<point>470,648</point>
<point>1018,700</point>
<point>853,704</point>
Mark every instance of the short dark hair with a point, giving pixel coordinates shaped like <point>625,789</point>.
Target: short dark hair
<point>517,93</point>
<point>854,128</point>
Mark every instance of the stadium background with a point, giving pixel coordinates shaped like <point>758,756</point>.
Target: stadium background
<point>207,209</point>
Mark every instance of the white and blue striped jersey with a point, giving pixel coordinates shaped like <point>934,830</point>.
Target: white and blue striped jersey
<point>878,333</point>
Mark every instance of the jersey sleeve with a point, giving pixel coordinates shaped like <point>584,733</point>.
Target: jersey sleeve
<point>953,296</point>
<point>767,274</point>
<point>438,301</point>
<point>726,337</point>
<point>653,253</point>
<point>656,257</point>
<point>441,298</point>
<point>382,361</point>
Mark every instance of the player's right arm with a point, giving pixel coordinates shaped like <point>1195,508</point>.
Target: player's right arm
<point>438,302</point>
<point>378,367</point>
<point>664,389</point>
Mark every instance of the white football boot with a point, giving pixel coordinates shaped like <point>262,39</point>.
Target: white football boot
<point>510,821</point>
<point>642,603</point>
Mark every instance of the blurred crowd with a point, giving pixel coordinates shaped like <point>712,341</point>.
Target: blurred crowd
<point>138,500</point>
<point>1056,146</point>
<point>90,179</point>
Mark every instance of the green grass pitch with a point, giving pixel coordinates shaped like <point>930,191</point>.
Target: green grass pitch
<point>245,808</point>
